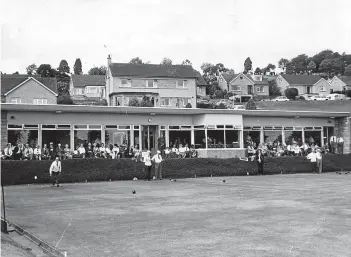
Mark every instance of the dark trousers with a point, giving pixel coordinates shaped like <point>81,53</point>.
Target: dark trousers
<point>260,168</point>
<point>55,177</point>
<point>158,170</point>
<point>314,167</point>
<point>148,168</point>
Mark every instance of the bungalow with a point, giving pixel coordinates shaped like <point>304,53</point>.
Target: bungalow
<point>340,83</point>
<point>21,89</point>
<point>244,84</point>
<point>305,84</point>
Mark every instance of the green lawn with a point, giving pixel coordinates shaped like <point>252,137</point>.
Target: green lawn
<point>278,215</point>
<point>327,106</point>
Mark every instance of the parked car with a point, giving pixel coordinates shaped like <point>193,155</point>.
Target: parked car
<point>318,98</point>
<point>236,107</point>
<point>281,99</point>
<point>222,101</point>
<point>337,97</point>
<point>307,97</point>
<point>202,101</point>
<point>234,97</point>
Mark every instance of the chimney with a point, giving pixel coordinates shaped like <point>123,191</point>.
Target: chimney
<point>109,61</point>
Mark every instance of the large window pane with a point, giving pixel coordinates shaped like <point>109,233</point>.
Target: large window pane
<point>232,139</point>
<point>215,138</point>
<point>56,136</point>
<point>251,137</point>
<point>179,138</point>
<point>313,137</point>
<point>200,140</point>
<point>272,136</point>
<point>293,136</point>
<point>16,137</point>
<point>86,136</point>
<point>118,137</point>
<point>136,139</point>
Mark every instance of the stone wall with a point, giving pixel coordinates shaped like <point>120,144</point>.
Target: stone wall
<point>343,128</point>
<point>3,129</point>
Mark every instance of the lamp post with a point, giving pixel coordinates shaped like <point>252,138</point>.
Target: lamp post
<point>3,221</point>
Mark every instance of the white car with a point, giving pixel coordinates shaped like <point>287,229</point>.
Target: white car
<point>318,98</point>
<point>281,99</point>
<point>337,97</point>
<point>237,107</point>
<point>234,97</point>
<point>222,101</point>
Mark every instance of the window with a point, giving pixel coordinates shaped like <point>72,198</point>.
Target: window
<point>165,101</point>
<point>92,90</point>
<point>150,83</point>
<point>40,101</point>
<point>260,89</point>
<point>322,88</point>
<point>125,83</point>
<point>185,101</point>
<point>182,83</point>
<point>79,91</point>
<point>119,101</point>
<point>15,100</point>
<point>102,92</point>
<point>235,88</point>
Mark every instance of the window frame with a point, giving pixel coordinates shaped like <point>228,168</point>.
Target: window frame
<point>16,98</point>
<point>164,99</point>
<point>40,101</point>
<point>128,84</point>
<point>237,90</point>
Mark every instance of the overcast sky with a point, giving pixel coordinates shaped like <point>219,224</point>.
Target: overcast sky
<point>226,31</point>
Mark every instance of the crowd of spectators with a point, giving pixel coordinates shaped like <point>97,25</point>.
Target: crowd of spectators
<point>26,152</point>
<point>276,148</point>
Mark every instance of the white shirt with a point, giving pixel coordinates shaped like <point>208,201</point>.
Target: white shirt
<point>157,158</point>
<point>333,139</point>
<point>37,151</point>
<point>312,156</point>
<point>108,150</point>
<point>167,151</point>
<point>340,140</point>
<point>147,161</point>
<point>55,167</point>
<point>116,149</point>
<point>81,150</point>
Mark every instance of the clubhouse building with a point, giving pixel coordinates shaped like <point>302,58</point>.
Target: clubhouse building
<point>215,133</point>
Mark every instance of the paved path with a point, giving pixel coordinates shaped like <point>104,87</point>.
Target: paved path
<point>280,215</point>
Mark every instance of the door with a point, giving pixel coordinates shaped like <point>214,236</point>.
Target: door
<point>308,90</point>
<point>328,133</point>
<point>249,89</point>
<point>149,139</point>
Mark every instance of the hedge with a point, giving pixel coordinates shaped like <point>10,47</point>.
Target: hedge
<point>80,170</point>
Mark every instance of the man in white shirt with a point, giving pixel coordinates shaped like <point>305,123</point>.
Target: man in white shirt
<point>81,151</point>
<point>340,144</point>
<point>333,144</point>
<point>55,171</point>
<point>319,161</point>
<point>313,157</point>
<point>157,159</point>
<point>37,153</point>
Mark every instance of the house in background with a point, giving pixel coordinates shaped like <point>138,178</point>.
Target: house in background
<point>340,83</point>
<point>244,85</point>
<point>85,89</point>
<point>305,84</point>
<point>201,85</point>
<point>21,89</point>
<point>172,86</point>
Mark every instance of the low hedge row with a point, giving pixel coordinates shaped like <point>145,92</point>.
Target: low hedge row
<point>80,170</point>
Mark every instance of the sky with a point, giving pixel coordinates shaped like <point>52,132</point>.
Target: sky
<point>222,31</point>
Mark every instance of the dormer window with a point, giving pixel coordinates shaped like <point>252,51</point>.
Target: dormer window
<point>241,77</point>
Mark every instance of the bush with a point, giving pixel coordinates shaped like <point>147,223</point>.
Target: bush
<point>221,106</point>
<point>251,105</point>
<point>80,170</point>
<point>188,105</point>
<point>291,93</point>
<point>134,102</point>
<point>65,99</point>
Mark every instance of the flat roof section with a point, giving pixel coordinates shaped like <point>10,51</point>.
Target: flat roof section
<point>168,111</point>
